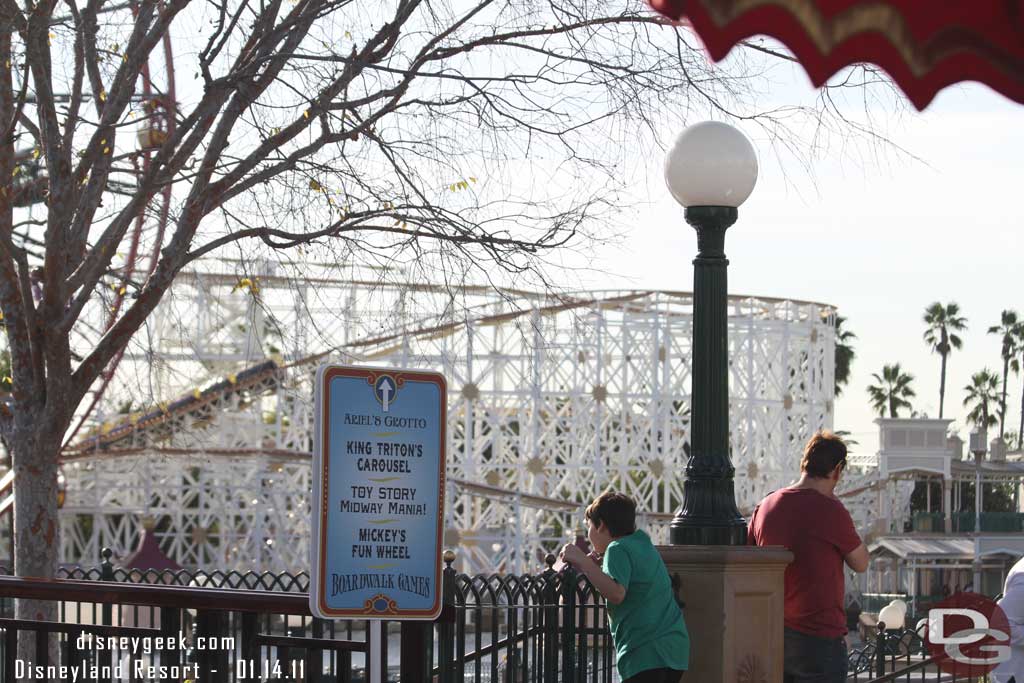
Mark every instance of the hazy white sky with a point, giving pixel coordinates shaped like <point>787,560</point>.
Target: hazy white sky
<point>880,241</point>
<point>880,236</point>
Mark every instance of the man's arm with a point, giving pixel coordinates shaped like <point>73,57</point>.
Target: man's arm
<point>848,541</point>
<point>858,559</point>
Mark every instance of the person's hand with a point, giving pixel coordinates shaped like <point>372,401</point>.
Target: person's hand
<point>572,554</point>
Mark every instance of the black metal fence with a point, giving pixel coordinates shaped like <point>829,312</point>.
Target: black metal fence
<point>902,656</point>
<point>538,628</point>
<point>546,628</point>
<point>543,628</point>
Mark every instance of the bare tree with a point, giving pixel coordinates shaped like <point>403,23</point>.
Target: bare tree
<point>411,128</point>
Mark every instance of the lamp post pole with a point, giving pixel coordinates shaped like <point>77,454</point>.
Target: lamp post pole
<point>710,170</point>
<point>978,448</point>
<point>709,515</point>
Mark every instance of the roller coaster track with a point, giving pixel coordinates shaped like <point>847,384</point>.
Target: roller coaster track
<point>481,506</point>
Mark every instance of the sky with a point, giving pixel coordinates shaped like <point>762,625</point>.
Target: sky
<point>878,232</point>
<point>879,239</point>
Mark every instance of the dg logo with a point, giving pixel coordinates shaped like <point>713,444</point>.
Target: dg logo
<point>968,634</point>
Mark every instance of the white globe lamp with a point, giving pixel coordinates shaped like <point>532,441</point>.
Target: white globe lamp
<point>711,164</point>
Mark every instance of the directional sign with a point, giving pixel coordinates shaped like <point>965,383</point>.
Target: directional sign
<point>378,507</point>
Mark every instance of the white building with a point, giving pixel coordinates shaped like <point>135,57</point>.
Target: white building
<point>927,548</point>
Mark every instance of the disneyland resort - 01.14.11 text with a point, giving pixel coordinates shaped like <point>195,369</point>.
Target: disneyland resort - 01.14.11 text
<point>138,668</point>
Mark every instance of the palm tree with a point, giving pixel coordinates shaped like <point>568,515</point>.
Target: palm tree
<point>844,354</point>
<point>982,393</point>
<point>1007,328</point>
<point>892,391</point>
<point>943,323</point>
<point>845,436</point>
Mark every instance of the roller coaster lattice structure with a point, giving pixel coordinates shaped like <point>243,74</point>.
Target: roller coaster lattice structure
<point>552,399</point>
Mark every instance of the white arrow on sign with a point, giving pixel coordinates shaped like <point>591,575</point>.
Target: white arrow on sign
<point>385,392</point>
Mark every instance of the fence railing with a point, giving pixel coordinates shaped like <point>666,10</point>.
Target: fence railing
<point>873,602</point>
<point>540,628</point>
<point>933,522</point>
<point>903,656</point>
<point>999,522</point>
<point>963,522</point>
<point>917,605</point>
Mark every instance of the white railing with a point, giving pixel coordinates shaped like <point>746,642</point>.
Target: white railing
<point>862,461</point>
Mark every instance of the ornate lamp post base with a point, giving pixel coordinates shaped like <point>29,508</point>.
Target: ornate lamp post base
<point>709,515</point>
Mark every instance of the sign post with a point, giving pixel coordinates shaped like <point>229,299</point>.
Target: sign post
<point>378,493</point>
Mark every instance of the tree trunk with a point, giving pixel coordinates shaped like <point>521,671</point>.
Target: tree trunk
<point>942,385</point>
<point>36,542</point>
<point>35,515</point>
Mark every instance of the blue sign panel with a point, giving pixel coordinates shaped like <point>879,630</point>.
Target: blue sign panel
<point>378,508</point>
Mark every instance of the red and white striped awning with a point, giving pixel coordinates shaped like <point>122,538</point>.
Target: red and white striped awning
<point>924,45</point>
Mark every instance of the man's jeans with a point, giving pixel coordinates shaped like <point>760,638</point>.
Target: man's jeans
<point>808,659</point>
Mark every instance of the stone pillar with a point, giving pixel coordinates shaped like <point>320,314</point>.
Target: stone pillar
<point>733,599</point>
<point>947,505</point>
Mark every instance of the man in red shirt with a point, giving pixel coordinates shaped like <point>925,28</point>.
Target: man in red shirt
<point>809,520</point>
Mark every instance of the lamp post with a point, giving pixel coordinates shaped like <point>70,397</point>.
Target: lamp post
<point>710,170</point>
<point>978,445</point>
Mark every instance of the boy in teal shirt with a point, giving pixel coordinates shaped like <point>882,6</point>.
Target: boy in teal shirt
<point>651,642</point>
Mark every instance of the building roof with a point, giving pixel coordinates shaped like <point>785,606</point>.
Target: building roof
<point>947,547</point>
<point>149,556</point>
<point>988,467</point>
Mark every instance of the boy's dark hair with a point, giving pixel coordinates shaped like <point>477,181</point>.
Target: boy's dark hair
<point>617,511</point>
<point>822,453</point>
